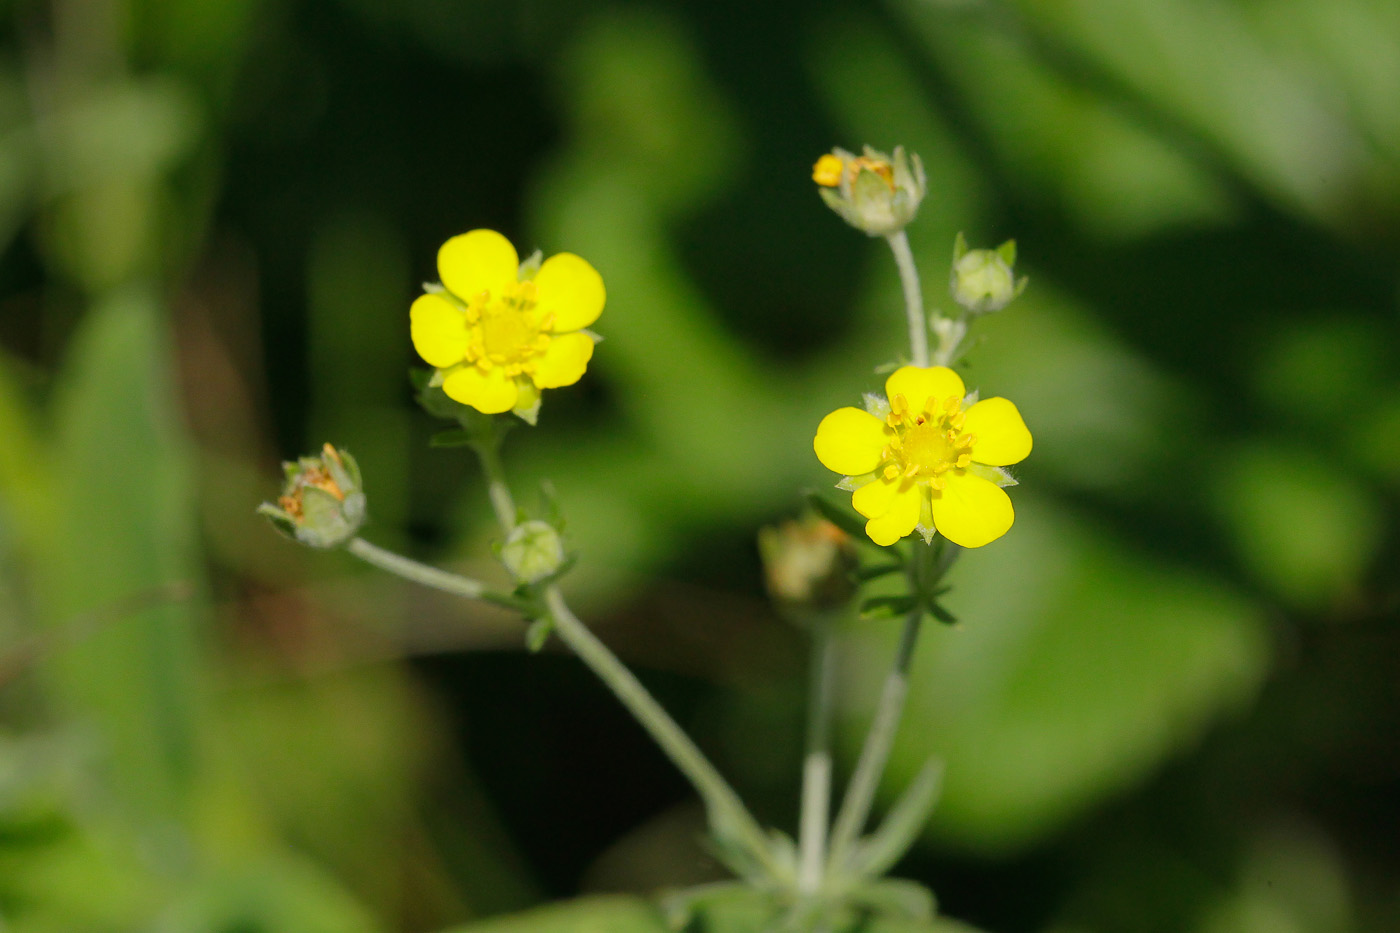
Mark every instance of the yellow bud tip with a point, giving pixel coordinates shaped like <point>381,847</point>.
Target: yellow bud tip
<point>827,171</point>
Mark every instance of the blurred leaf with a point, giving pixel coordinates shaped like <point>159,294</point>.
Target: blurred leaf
<point>1302,524</point>
<point>586,915</point>
<point>125,528</point>
<point>1078,667</point>
<point>276,894</point>
<point>905,821</point>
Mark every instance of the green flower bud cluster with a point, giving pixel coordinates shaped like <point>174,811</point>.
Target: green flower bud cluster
<point>873,192</point>
<point>533,551</point>
<point>322,504</point>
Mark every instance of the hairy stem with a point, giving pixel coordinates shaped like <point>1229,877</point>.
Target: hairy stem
<point>816,766</point>
<point>855,807</point>
<point>913,297</point>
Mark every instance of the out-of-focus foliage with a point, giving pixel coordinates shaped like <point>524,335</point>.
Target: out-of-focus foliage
<point>1171,699</point>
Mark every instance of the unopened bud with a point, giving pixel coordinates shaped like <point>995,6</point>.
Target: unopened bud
<point>808,564</point>
<point>983,279</point>
<point>322,504</point>
<point>533,551</point>
<point>873,191</point>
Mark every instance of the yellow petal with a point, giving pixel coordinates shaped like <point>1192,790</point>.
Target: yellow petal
<point>1002,437</point>
<point>491,392</point>
<point>476,262</point>
<point>571,289</point>
<point>849,441</point>
<point>564,361</point>
<point>901,518</point>
<point>439,331</point>
<point>971,511</point>
<point>874,498</point>
<point>918,384</point>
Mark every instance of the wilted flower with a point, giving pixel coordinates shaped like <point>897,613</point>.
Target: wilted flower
<point>322,504</point>
<point>872,192</point>
<point>807,564</point>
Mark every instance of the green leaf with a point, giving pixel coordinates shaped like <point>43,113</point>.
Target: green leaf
<point>842,516</point>
<point>888,607</point>
<point>126,534</point>
<point>538,633</point>
<point>879,852</point>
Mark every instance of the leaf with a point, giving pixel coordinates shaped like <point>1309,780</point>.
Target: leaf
<point>879,852</point>
<point>888,607</point>
<point>609,914</point>
<point>126,527</point>
<point>843,517</point>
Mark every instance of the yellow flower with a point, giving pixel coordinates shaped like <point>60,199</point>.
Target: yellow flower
<point>921,461</point>
<point>497,338</point>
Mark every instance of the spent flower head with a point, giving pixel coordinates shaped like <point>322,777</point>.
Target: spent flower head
<point>808,565</point>
<point>322,504</point>
<point>927,457</point>
<point>498,331</point>
<point>984,279</point>
<point>873,192</point>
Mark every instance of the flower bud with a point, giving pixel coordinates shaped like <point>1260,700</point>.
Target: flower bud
<point>872,192</point>
<point>808,564</point>
<point>533,551</point>
<point>322,505</point>
<point>983,279</point>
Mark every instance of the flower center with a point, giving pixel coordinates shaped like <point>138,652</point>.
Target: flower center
<point>928,442</point>
<point>507,332</point>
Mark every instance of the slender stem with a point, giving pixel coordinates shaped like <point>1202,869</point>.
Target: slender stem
<point>913,297</point>
<point>725,808</point>
<point>489,452</point>
<point>855,808</point>
<point>723,803</point>
<point>816,767</point>
<point>412,570</point>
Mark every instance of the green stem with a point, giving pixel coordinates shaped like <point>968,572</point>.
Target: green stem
<point>855,807</point>
<point>724,805</point>
<point>816,766</point>
<point>913,297</point>
<point>725,808</point>
<point>418,573</point>
<point>489,452</point>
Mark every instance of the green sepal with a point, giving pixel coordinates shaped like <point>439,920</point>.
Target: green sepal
<point>530,267</point>
<point>888,607</point>
<point>537,634</point>
<point>1007,252</point>
<point>451,437</point>
<point>427,392</point>
<point>882,849</point>
<point>959,246</point>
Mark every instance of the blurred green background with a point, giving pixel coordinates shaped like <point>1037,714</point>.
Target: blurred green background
<point>1173,702</point>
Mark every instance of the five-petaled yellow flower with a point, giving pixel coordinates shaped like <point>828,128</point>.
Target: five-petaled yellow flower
<point>921,461</point>
<point>496,339</point>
